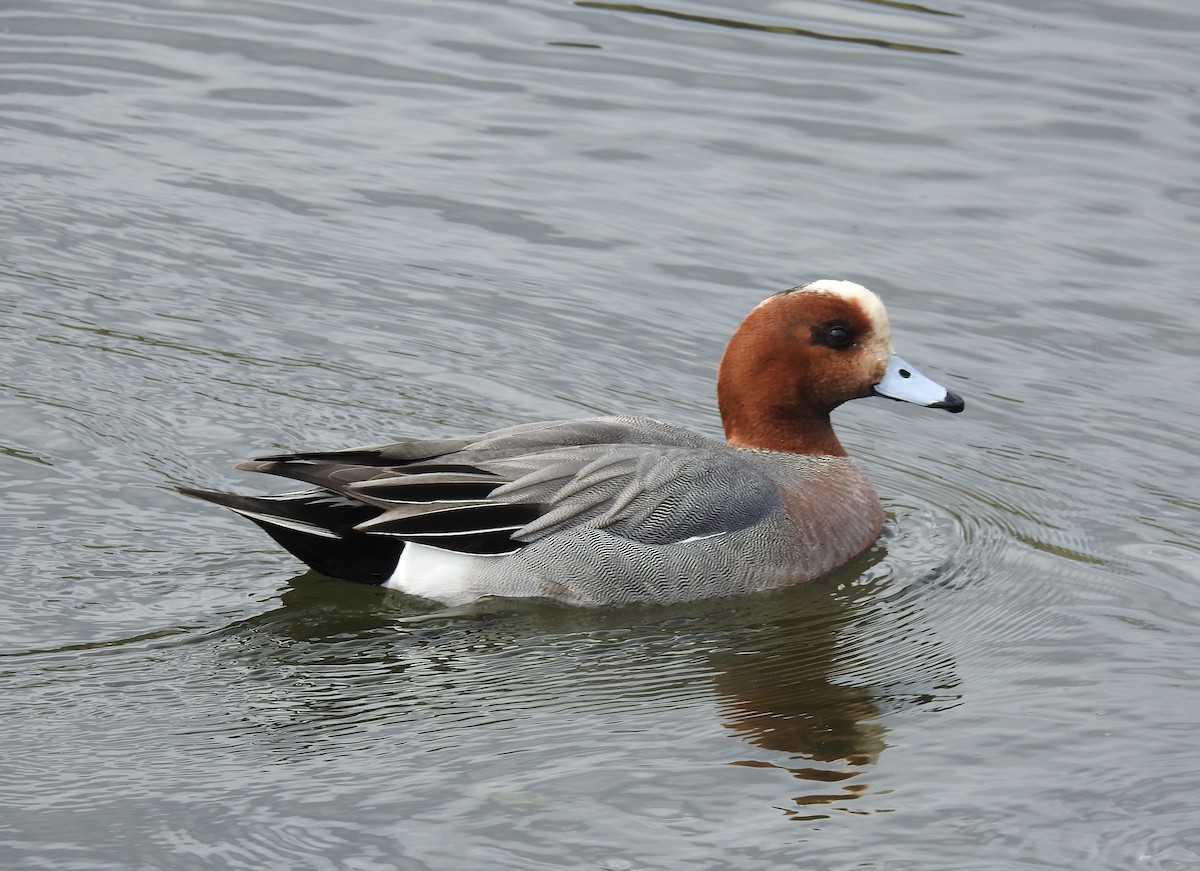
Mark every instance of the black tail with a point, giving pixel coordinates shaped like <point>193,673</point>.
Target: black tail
<point>317,527</point>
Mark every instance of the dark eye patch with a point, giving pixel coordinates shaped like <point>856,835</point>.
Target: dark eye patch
<point>833,334</point>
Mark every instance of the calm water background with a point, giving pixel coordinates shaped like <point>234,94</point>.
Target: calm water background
<point>233,227</point>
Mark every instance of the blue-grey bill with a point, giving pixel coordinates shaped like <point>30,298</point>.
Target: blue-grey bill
<point>901,381</point>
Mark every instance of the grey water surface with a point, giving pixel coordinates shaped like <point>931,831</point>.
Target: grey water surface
<point>230,228</point>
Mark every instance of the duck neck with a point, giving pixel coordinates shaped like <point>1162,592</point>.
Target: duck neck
<point>773,399</point>
<point>764,413</point>
<point>780,429</point>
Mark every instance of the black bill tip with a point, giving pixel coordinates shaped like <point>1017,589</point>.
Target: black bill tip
<point>953,403</point>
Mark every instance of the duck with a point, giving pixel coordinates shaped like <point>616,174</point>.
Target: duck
<point>620,510</point>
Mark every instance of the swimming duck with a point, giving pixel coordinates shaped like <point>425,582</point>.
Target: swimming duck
<point>616,510</point>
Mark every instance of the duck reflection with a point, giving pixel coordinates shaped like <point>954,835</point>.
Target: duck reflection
<point>781,694</point>
<point>805,678</point>
<point>815,679</point>
<point>814,682</point>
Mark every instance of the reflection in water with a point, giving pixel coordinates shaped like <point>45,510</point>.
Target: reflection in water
<point>805,676</point>
<point>782,699</point>
<point>776,28</point>
<point>815,682</point>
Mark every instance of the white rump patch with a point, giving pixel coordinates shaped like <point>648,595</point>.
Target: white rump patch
<point>435,573</point>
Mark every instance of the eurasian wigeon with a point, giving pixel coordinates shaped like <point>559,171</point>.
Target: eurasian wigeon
<point>616,510</point>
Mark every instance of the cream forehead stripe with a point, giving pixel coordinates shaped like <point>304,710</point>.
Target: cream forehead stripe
<point>870,304</point>
<point>848,290</point>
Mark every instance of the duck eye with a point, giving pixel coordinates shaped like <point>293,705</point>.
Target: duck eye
<point>835,335</point>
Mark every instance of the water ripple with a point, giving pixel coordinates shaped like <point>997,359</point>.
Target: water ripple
<point>267,225</point>
<point>735,24</point>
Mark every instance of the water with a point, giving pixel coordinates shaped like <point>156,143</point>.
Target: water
<point>236,228</point>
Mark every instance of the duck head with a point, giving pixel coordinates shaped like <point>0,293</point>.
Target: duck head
<point>803,352</point>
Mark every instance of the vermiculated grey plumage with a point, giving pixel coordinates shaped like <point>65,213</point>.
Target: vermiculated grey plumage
<point>626,504</point>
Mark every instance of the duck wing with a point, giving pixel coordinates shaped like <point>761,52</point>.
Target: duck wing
<point>640,479</point>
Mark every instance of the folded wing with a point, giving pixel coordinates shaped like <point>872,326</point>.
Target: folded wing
<point>491,495</point>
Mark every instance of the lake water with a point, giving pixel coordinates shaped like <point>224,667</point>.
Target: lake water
<point>231,228</point>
